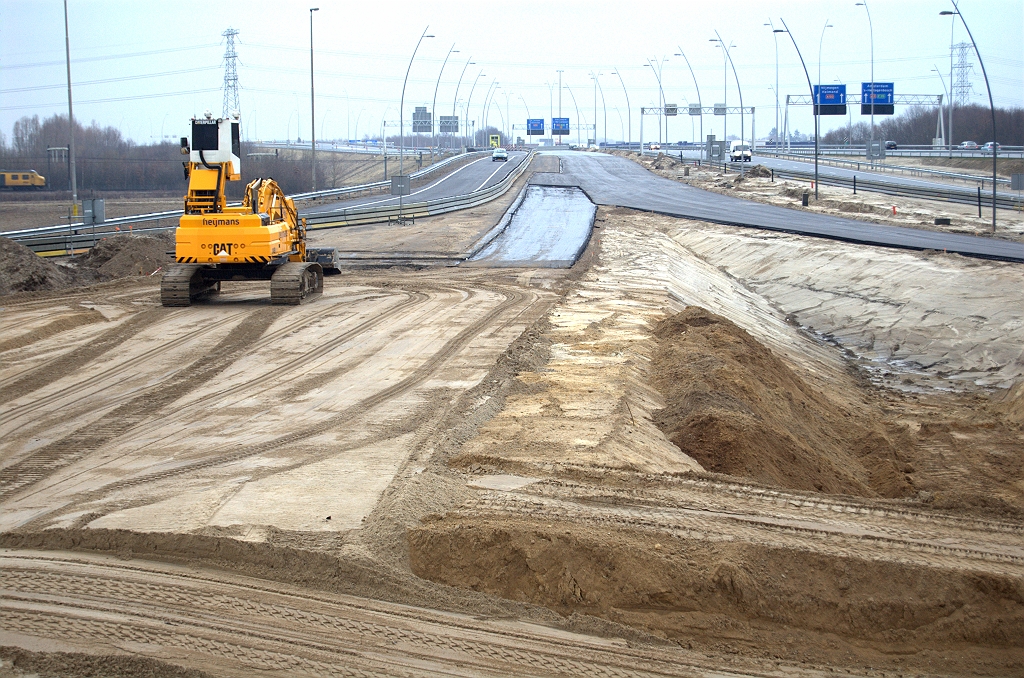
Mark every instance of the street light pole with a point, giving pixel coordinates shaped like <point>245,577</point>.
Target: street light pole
<point>811,88</point>
<point>952,25</point>
<point>401,118</point>
<point>629,113</point>
<point>560,109</point>
<point>992,107</point>
<point>699,103</point>
<point>71,117</point>
<point>312,100</point>
<point>433,109</point>
<point>577,113</point>
<point>775,36</point>
<point>661,99</point>
<point>470,99</point>
<point>738,89</point>
<point>871,91</point>
<point>817,104</point>
<point>455,99</point>
<point>604,108</point>
<point>948,99</point>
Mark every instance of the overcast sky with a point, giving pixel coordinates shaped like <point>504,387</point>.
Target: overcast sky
<point>147,67</point>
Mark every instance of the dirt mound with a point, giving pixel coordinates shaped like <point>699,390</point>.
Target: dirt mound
<point>738,409</point>
<point>690,587</point>
<point>21,662</point>
<point>127,255</point>
<point>21,270</point>
<point>1011,405</point>
<point>759,172</point>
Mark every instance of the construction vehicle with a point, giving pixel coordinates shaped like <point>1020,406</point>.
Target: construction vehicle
<point>261,239</point>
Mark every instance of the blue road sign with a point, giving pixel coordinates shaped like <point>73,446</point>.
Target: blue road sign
<point>883,101</point>
<point>534,126</point>
<point>830,99</point>
<point>883,93</point>
<point>831,95</point>
<point>560,126</point>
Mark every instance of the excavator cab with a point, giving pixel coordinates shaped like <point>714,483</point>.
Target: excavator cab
<point>261,239</point>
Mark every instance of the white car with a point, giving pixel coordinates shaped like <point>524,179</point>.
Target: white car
<point>740,152</point>
<point>499,154</point>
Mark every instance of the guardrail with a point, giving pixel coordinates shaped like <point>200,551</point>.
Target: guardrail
<point>59,241</point>
<point>421,174</point>
<point>81,236</point>
<point>951,194</point>
<point>881,167</point>
<point>367,215</point>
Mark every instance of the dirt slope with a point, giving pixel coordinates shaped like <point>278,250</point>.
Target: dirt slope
<point>738,409</point>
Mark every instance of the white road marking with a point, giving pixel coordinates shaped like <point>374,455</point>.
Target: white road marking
<point>503,166</point>
<point>425,188</point>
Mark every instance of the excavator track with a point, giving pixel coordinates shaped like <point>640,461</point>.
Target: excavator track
<point>184,282</point>
<point>295,282</point>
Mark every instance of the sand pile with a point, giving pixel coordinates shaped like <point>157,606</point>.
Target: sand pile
<point>21,270</point>
<point>127,255</point>
<point>759,172</point>
<point>739,410</point>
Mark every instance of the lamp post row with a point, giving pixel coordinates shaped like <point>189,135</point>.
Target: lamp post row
<point>658,74</point>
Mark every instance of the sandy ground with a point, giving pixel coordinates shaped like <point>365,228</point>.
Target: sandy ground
<point>701,450</point>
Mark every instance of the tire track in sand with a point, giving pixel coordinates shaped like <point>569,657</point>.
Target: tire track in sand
<point>78,444</point>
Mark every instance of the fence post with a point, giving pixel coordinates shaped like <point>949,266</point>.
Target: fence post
<point>979,202</point>
<point>855,184</point>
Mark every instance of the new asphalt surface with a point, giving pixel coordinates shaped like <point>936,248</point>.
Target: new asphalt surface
<point>474,176</point>
<point>614,181</point>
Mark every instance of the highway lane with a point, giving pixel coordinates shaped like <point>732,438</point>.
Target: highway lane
<point>478,174</point>
<point>611,180</point>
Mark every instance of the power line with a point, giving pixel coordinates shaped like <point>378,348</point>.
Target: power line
<point>113,99</point>
<point>108,80</point>
<point>39,64</point>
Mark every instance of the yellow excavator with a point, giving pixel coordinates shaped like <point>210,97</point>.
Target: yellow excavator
<point>263,239</point>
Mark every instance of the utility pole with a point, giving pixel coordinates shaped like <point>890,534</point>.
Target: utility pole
<point>312,100</point>
<point>71,116</point>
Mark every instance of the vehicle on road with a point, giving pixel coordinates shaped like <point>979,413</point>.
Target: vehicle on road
<point>969,145</point>
<point>499,154</point>
<point>655,147</point>
<point>990,146</point>
<point>740,152</point>
<point>890,145</point>
<point>262,239</point>
<point>22,179</point>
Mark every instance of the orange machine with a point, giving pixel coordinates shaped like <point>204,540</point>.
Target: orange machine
<point>262,239</point>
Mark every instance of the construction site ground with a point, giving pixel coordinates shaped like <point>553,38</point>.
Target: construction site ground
<point>701,450</point>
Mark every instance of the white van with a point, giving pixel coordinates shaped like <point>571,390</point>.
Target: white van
<point>739,151</point>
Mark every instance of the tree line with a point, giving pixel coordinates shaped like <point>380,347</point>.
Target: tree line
<point>916,126</point>
<point>107,162</point>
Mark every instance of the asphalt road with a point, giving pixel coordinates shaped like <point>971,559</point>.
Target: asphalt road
<point>611,180</point>
<point>549,229</point>
<point>476,175</point>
